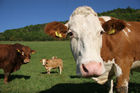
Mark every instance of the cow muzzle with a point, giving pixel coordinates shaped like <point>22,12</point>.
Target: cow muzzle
<point>26,61</point>
<point>92,69</point>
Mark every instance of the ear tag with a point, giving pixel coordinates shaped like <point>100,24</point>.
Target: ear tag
<point>58,34</point>
<point>18,50</point>
<point>111,31</point>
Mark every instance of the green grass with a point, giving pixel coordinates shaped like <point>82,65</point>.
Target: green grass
<point>31,78</point>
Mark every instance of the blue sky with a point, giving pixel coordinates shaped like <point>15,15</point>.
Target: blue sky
<point>19,13</point>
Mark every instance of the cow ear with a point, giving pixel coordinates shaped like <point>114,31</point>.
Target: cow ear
<point>47,60</point>
<point>33,51</point>
<point>56,29</point>
<point>113,26</point>
<point>54,57</point>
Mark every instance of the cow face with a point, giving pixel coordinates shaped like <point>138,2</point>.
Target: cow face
<point>43,61</point>
<point>86,41</point>
<point>25,53</point>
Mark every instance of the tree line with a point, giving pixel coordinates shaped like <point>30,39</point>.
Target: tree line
<point>36,32</point>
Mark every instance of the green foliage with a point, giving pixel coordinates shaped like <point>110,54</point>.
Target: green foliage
<point>36,32</point>
<point>28,33</point>
<point>128,14</point>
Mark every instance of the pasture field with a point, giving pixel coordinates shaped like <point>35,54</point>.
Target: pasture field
<point>32,77</point>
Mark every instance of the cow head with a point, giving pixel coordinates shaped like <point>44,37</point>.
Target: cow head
<point>27,54</point>
<point>24,52</point>
<point>43,61</point>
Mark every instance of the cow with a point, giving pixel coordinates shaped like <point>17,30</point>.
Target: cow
<point>52,64</point>
<point>103,47</point>
<point>12,56</point>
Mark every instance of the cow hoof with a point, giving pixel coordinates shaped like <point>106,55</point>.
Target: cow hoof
<point>123,89</point>
<point>5,82</point>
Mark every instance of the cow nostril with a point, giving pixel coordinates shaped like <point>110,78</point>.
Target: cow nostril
<point>84,68</point>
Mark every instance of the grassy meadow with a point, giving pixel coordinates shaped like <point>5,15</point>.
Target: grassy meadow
<point>32,77</point>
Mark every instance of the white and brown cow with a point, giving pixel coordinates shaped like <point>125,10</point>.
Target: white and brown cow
<point>104,46</point>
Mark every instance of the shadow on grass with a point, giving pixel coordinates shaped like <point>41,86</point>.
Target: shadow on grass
<point>77,76</point>
<point>77,88</point>
<point>12,77</point>
<point>50,72</point>
<point>87,88</point>
<point>134,88</point>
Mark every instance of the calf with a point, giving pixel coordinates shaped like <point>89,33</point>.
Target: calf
<point>12,56</point>
<point>52,63</point>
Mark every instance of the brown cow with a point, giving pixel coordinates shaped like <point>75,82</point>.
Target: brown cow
<point>52,64</point>
<point>104,46</point>
<point>12,56</point>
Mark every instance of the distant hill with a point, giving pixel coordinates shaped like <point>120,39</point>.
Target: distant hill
<point>36,32</point>
<point>128,14</point>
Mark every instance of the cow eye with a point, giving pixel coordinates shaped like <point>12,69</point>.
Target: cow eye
<point>70,34</point>
<point>101,32</point>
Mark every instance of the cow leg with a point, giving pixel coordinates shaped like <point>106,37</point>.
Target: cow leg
<point>6,76</point>
<point>123,70</point>
<point>111,87</point>
<point>60,69</point>
<point>48,70</point>
<point>110,80</point>
<point>122,85</point>
<point>122,81</point>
